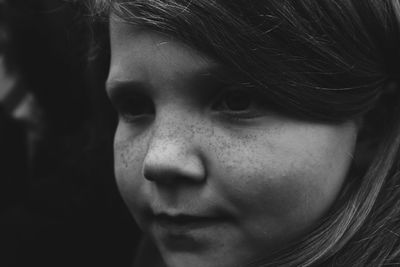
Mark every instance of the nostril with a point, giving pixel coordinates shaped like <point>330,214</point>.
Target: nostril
<point>162,175</point>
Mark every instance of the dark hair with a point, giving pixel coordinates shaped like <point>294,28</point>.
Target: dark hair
<point>326,60</point>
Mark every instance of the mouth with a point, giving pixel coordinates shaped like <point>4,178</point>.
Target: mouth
<point>184,232</point>
<point>184,222</point>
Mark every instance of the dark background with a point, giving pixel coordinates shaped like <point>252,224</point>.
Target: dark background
<point>59,206</point>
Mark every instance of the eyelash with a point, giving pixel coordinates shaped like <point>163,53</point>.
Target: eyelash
<point>134,108</point>
<point>258,104</point>
<point>140,107</point>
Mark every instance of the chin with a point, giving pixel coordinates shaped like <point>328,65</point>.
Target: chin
<point>185,260</point>
<point>210,258</point>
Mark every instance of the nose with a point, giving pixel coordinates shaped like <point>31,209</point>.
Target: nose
<point>173,155</point>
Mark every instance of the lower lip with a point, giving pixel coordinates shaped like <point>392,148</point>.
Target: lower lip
<point>189,235</point>
<point>173,226</point>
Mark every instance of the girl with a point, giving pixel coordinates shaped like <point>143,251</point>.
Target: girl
<point>258,133</point>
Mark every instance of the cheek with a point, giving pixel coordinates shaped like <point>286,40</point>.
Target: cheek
<point>127,167</point>
<point>273,185</point>
<point>291,177</point>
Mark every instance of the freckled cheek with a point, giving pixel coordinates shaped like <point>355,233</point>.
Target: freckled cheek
<point>128,153</point>
<point>270,185</point>
<point>282,176</point>
<point>127,167</point>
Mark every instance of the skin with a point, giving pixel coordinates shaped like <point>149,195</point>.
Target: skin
<point>180,149</point>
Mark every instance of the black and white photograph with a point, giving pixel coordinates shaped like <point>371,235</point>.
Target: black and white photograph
<point>200,133</point>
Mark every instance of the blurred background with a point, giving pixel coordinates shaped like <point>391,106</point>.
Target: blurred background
<point>59,205</point>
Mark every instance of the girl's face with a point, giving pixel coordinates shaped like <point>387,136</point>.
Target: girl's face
<point>209,170</point>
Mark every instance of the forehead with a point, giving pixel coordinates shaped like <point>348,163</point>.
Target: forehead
<point>140,51</point>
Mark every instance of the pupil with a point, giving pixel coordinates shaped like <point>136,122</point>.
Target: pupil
<point>237,101</point>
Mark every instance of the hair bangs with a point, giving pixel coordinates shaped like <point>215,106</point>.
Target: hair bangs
<point>274,46</point>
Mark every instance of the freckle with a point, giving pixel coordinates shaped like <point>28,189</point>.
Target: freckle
<point>124,154</point>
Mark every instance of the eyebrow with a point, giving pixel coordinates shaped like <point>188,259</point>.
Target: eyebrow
<point>117,88</point>
<point>217,75</point>
<point>217,71</point>
<point>116,84</point>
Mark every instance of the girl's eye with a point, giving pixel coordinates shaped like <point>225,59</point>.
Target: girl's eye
<point>236,100</point>
<point>241,104</point>
<point>135,108</point>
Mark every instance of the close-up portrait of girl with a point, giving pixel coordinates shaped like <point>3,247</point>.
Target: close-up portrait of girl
<point>257,133</point>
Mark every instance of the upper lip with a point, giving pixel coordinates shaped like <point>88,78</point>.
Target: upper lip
<point>184,220</point>
<point>181,218</point>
